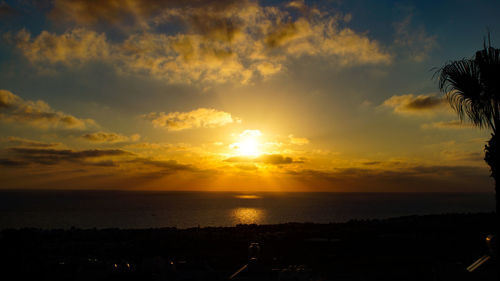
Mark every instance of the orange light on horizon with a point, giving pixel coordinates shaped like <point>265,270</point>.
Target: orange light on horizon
<point>247,196</point>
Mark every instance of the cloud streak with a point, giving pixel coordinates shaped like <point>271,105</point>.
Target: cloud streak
<point>29,143</point>
<point>448,125</point>
<point>60,159</point>
<point>104,137</point>
<point>57,156</point>
<point>37,114</point>
<point>5,162</point>
<point>273,159</point>
<point>198,118</point>
<point>419,178</point>
<point>166,166</point>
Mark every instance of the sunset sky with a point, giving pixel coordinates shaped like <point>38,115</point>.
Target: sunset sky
<point>237,95</point>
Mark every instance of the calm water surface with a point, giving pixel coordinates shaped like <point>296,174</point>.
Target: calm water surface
<point>134,209</point>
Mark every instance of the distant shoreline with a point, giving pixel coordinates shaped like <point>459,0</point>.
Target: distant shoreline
<point>369,221</point>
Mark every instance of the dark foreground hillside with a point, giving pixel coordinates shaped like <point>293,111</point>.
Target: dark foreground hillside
<point>437,247</point>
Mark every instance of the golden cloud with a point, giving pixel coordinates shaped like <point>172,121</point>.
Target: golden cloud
<point>216,42</point>
<point>297,141</point>
<point>412,104</point>
<point>298,4</point>
<point>109,137</point>
<point>37,113</point>
<point>75,46</point>
<point>198,118</point>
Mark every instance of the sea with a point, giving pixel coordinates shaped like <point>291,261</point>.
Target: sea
<point>152,209</point>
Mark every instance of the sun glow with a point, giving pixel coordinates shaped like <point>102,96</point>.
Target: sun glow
<point>249,144</point>
<point>248,148</point>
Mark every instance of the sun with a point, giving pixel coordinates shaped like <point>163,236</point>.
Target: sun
<point>249,144</point>
<point>248,147</point>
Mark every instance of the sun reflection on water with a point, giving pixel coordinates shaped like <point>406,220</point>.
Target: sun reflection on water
<point>247,215</point>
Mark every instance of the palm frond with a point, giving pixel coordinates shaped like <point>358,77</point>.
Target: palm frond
<point>488,63</point>
<point>460,81</point>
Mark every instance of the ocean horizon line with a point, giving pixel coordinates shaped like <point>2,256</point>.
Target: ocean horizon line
<point>244,191</point>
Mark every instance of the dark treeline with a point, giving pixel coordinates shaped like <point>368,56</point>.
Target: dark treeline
<point>434,247</point>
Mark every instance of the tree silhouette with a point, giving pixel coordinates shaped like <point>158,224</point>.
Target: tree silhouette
<point>472,87</point>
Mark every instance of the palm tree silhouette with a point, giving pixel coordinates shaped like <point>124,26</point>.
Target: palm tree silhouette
<point>472,87</point>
